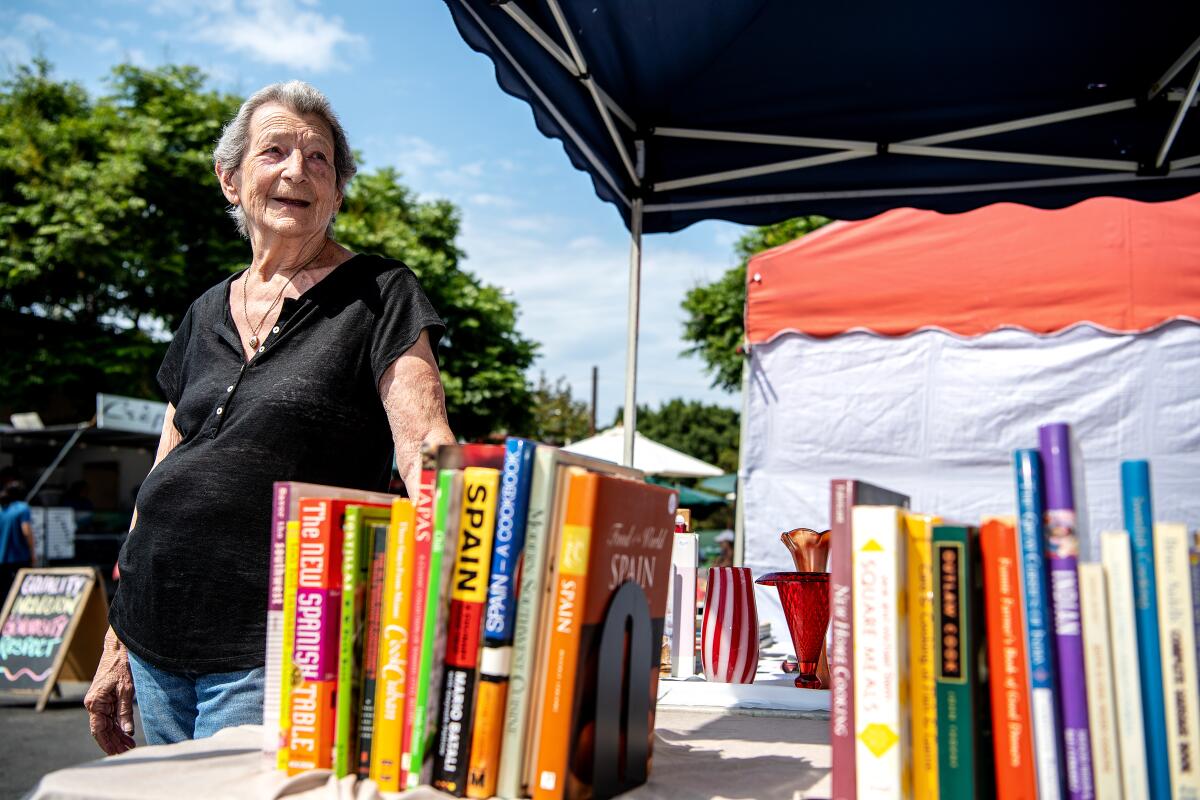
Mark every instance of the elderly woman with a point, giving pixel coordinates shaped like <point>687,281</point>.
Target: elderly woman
<point>311,364</point>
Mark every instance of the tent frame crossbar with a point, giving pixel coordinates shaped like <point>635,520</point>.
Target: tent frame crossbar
<point>1177,121</point>
<point>1174,70</point>
<point>594,89</point>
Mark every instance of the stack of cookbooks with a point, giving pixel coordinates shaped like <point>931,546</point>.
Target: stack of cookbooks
<point>451,639</point>
<point>988,660</point>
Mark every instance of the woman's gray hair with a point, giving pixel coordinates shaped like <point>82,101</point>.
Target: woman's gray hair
<point>300,98</point>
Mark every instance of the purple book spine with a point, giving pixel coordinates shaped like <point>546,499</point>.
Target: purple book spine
<point>1062,556</point>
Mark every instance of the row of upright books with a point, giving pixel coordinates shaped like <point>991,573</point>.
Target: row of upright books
<point>989,661</point>
<point>451,639</point>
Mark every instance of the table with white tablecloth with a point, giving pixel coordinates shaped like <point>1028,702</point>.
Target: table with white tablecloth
<point>698,754</point>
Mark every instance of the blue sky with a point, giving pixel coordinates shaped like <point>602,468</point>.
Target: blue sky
<point>414,96</point>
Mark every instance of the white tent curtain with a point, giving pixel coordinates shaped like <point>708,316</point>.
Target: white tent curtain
<point>937,416</point>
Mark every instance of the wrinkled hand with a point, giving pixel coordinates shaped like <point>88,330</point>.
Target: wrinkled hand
<point>109,701</point>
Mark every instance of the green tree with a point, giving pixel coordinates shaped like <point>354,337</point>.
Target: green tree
<point>715,323</point>
<point>708,432</point>
<point>111,223</point>
<point>558,418</point>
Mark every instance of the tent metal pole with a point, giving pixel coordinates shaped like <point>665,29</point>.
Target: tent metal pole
<point>557,53</point>
<point>66,448</point>
<point>571,133</point>
<point>923,191</point>
<point>1175,69</point>
<point>1180,113</point>
<point>594,89</point>
<point>635,289</point>
<point>1183,163</point>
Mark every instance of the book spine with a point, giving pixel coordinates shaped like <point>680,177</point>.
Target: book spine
<point>921,654</point>
<point>318,604</point>
<point>430,672</point>
<point>1179,676</point>
<point>468,598</point>
<point>496,658</point>
<point>1138,513</point>
<point>955,669</point>
<point>374,630</point>
<point>1118,567</point>
<point>841,642</point>
<point>682,603</point>
<point>509,783</point>
<point>1043,673</point>
<point>563,655</point>
<point>882,760</point>
<point>345,738</point>
<point>392,673</point>
<point>1016,776</point>
<point>284,717</point>
<point>273,673</point>
<point>422,544</point>
<point>1093,607</point>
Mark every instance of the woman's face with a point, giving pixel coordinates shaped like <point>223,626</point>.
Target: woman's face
<point>286,183</point>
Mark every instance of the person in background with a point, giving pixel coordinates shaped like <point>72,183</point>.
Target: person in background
<point>16,535</point>
<point>313,364</point>
<point>725,542</point>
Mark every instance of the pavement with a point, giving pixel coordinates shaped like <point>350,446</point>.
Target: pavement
<point>36,743</point>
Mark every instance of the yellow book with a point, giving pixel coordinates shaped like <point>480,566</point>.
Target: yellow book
<point>922,648</point>
<point>1178,637</point>
<point>391,677</point>
<point>291,571</point>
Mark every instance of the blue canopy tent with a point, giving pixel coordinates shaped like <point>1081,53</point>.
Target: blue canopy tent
<point>756,110</point>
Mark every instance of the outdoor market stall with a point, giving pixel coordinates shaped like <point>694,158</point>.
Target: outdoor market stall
<point>917,350</point>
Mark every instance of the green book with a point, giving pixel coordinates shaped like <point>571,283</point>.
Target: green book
<point>355,573</point>
<point>964,755</point>
<point>442,550</point>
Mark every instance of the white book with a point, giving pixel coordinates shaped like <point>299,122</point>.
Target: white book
<point>1122,626</point>
<point>1178,638</point>
<point>1098,666</point>
<point>883,762</point>
<point>681,602</point>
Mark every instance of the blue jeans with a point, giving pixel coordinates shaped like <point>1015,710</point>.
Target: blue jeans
<point>187,705</point>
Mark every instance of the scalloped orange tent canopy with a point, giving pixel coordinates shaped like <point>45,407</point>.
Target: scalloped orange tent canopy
<point>1118,264</point>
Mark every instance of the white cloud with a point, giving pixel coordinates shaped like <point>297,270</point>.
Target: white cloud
<point>491,200</point>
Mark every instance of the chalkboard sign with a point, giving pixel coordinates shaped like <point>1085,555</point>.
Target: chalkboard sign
<point>52,628</point>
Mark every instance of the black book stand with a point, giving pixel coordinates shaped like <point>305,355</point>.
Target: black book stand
<point>622,741</point>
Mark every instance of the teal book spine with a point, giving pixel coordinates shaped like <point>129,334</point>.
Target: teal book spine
<point>1139,521</point>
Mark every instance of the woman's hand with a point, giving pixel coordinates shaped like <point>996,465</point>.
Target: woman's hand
<point>109,701</point>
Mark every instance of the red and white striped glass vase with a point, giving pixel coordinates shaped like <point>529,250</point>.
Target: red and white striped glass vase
<point>729,643</point>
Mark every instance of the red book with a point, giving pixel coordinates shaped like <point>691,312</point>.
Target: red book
<point>423,541</point>
<point>1008,666</point>
<point>844,494</point>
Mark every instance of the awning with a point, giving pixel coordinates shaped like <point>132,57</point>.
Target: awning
<point>650,457</point>
<point>1119,265</point>
<point>757,110</point>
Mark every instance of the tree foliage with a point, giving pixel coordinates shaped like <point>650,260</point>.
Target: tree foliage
<point>558,418</point>
<point>111,223</point>
<point>708,432</point>
<point>715,323</point>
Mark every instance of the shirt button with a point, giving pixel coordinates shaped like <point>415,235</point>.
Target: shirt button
<point>264,347</point>
<point>220,411</point>
<point>229,388</point>
<point>275,329</point>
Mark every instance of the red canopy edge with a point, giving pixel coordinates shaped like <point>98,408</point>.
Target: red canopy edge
<point>1119,265</point>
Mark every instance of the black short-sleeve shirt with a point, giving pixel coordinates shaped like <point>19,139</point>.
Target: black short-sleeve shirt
<point>306,407</point>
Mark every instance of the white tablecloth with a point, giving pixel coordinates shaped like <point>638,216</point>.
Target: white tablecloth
<point>698,755</point>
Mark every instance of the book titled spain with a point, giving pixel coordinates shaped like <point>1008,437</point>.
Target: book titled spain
<point>1179,672</point>
<point>468,598</point>
<point>1012,740</point>
<point>1062,558</point>
<point>1039,634</point>
<point>843,495</point>
<point>1138,509</point>
<point>496,657</point>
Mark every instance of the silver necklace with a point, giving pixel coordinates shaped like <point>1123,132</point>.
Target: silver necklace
<point>254,329</point>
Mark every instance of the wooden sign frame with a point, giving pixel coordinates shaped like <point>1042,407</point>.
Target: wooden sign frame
<point>77,656</point>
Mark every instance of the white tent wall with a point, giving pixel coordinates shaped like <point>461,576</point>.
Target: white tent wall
<point>937,417</point>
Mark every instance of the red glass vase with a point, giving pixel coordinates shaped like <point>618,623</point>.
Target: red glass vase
<point>805,599</point>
